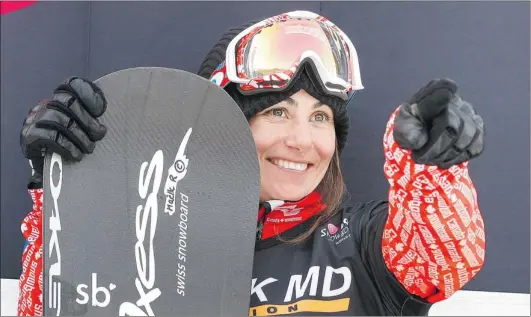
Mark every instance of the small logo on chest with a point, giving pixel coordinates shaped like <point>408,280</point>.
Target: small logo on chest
<point>336,234</point>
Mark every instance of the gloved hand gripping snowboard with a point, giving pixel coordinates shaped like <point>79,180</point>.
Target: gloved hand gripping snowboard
<point>66,124</point>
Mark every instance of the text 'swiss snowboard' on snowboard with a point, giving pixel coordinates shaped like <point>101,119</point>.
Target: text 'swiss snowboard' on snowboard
<point>161,218</point>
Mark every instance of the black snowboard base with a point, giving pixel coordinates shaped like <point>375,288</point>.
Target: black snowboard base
<point>161,218</point>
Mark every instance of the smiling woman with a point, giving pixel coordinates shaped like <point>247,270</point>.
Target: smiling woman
<point>394,256</point>
<point>296,141</point>
<point>297,152</point>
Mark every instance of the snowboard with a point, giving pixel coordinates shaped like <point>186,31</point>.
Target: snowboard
<point>161,218</point>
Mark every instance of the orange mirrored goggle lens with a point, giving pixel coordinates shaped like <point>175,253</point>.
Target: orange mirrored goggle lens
<point>279,47</point>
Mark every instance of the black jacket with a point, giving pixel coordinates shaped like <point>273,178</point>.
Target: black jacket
<point>332,273</point>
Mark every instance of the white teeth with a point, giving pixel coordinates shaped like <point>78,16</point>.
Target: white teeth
<point>291,165</point>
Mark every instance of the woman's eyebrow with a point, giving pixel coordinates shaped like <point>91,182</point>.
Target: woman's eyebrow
<point>292,102</point>
<point>318,104</point>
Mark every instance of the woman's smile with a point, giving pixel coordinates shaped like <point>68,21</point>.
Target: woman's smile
<point>290,166</point>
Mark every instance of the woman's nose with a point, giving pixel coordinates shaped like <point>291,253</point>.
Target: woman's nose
<point>299,136</point>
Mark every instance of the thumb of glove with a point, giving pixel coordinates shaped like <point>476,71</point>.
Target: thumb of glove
<point>409,132</point>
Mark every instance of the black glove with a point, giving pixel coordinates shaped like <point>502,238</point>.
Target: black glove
<point>438,126</point>
<point>66,125</point>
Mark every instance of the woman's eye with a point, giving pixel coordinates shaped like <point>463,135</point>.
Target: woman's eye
<point>321,117</point>
<point>277,112</point>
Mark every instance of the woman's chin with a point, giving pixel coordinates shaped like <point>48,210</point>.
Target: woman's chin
<point>286,195</point>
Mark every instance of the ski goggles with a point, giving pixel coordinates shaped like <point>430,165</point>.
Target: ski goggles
<point>268,55</point>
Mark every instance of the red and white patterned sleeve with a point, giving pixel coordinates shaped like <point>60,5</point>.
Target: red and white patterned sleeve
<point>30,283</point>
<point>434,238</point>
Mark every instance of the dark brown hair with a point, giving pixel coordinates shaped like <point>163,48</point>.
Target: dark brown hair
<point>332,188</point>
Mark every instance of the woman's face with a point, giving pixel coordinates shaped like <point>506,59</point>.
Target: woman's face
<point>295,140</point>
